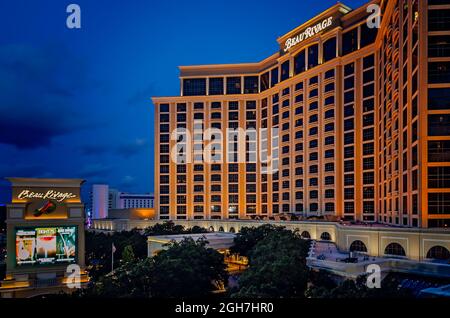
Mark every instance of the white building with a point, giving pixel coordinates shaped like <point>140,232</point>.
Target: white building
<point>131,200</point>
<point>103,198</point>
<point>99,201</point>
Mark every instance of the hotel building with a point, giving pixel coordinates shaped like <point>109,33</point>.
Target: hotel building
<point>361,102</point>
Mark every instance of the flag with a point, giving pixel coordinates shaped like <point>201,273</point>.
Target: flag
<point>113,248</point>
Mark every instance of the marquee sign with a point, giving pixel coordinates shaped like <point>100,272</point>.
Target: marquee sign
<point>307,33</point>
<point>50,194</point>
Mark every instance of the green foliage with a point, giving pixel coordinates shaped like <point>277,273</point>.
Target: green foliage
<point>98,249</point>
<point>128,254</point>
<point>188,269</point>
<point>185,269</point>
<point>166,228</point>
<point>248,237</point>
<point>197,229</point>
<point>131,280</point>
<point>355,288</point>
<point>170,228</point>
<point>277,267</point>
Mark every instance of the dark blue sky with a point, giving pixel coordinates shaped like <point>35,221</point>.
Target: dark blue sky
<point>76,103</point>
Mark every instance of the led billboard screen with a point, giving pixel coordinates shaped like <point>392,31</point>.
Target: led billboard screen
<point>46,245</point>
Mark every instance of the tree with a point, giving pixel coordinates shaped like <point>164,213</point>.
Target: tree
<point>98,249</point>
<point>128,254</point>
<point>188,269</point>
<point>277,267</point>
<point>197,229</point>
<point>166,228</point>
<point>131,280</point>
<point>355,288</point>
<point>248,237</point>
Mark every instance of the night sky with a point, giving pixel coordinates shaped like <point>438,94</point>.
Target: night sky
<point>76,103</point>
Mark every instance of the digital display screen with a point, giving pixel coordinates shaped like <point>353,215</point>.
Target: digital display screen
<point>46,245</point>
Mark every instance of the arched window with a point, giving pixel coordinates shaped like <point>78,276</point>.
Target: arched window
<point>394,249</point>
<point>232,230</point>
<point>211,229</point>
<point>325,236</point>
<point>221,229</point>
<point>305,235</point>
<point>358,246</point>
<point>438,252</point>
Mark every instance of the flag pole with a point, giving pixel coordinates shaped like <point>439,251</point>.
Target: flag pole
<point>112,258</point>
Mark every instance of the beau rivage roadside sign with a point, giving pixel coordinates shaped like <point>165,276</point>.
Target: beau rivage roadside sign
<point>309,32</point>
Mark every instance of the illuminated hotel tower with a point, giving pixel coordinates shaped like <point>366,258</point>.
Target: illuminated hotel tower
<point>363,118</point>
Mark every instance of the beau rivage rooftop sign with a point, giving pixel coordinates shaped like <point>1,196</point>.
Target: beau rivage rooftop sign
<point>308,32</point>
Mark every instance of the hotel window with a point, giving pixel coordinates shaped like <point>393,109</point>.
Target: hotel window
<point>329,207</point>
<point>439,20</point>
<point>439,125</point>
<point>164,149</point>
<point>329,154</point>
<point>313,56</point>
<point>368,163</point>
<point>233,85</point>
<point>329,167</point>
<point>198,116</point>
<point>349,180</point>
<point>329,127</point>
<point>349,69</point>
<point>439,46</point>
<point>329,74</point>
<point>164,118</point>
<point>251,85</point>
<point>349,83</point>
<point>274,77</point>
<point>439,151</point>
<point>368,35</point>
<point>300,64</point>
<point>164,108</point>
<point>349,97</point>
<point>285,70</point>
<point>198,106</point>
<point>439,177</point>
<point>216,86</point>
<point>265,81</point>
<point>438,203</point>
<point>349,193</point>
<point>349,111</point>
<point>350,41</point>
<point>329,87</point>
<point>329,180</point>
<point>438,72</point>
<point>164,128</point>
<point>439,98</point>
<point>349,166</point>
<point>329,49</point>
<point>369,61</point>
<point>329,114</point>
<point>329,140</point>
<point>194,87</point>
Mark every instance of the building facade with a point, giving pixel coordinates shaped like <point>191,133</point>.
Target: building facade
<point>360,99</point>
<point>102,199</point>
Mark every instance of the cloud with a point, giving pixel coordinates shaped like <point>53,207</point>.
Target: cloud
<point>125,150</point>
<point>95,170</point>
<point>36,96</point>
<point>143,95</point>
<point>130,149</point>
<point>25,171</point>
<point>94,150</point>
